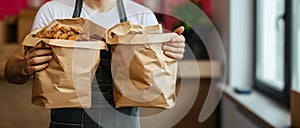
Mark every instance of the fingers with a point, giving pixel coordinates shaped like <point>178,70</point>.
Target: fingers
<point>178,39</point>
<point>36,60</point>
<point>36,68</point>
<point>39,60</point>
<point>174,50</point>
<point>179,30</point>
<point>177,56</point>
<point>40,52</point>
<point>174,47</point>
<point>36,64</point>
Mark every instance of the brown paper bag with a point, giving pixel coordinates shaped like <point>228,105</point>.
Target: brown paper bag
<point>67,80</point>
<point>142,75</point>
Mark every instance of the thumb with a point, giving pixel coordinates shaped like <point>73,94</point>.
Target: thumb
<point>179,30</point>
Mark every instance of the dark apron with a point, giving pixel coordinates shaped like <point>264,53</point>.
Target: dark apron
<point>102,113</point>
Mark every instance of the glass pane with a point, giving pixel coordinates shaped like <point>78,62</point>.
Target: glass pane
<point>270,43</point>
<point>296,45</point>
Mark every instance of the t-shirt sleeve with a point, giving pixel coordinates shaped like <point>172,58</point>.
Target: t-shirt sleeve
<point>150,19</point>
<point>139,14</point>
<point>43,17</point>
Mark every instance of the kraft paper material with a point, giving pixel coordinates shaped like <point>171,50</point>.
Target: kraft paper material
<point>67,80</point>
<point>142,75</point>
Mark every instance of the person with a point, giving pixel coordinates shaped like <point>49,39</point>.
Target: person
<point>22,65</point>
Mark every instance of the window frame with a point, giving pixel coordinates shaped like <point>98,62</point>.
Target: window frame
<point>295,75</point>
<point>284,96</point>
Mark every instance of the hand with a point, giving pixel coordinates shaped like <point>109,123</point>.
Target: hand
<point>36,60</point>
<point>175,47</point>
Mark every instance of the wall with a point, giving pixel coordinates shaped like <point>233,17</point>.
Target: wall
<point>240,67</point>
<point>16,108</point>
<point>167,3</point>
<point>220,18</point>
<point>233,117</point>
<point>165,7</point>
<point>241,42</point>
<point>13,7</point>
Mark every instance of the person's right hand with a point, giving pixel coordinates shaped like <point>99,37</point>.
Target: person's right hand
<point>36,60</point>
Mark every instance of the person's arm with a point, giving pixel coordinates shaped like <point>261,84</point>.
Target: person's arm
<point>13,68</point>
<point>18,69</point>
<point>21,66</point>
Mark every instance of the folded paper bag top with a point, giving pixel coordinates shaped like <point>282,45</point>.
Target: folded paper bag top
<point>67,80</point>
<point>79,23</point>
<point>127,33</point>
<point>142,75</point>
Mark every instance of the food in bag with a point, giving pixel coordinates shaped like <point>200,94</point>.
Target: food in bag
<point>67,80</point>
<point>63,32</point>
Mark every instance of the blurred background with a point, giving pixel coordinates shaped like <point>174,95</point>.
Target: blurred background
<point>261,41</point>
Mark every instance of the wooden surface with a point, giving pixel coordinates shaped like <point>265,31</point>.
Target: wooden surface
<point>295,109</point>
<point>16,108</point>
<point>199,69</point>
<point>2,32</point>
<point>191,118</point>
<point>264,109</point>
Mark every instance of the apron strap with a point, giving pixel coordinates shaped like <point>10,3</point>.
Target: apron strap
<point>78,7</point>
<point>121,10</point>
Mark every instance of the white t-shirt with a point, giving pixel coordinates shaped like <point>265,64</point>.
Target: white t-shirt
<point>62,9</point>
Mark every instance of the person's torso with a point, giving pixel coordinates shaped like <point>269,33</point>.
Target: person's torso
<point>58,9</point>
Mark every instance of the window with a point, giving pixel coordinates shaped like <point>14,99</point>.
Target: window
<point>272,59</point>
<point>296,45</point>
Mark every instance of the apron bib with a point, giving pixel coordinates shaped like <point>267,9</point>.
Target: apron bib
<point>101,113</point>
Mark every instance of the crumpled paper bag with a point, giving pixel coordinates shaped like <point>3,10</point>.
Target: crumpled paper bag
<point>67,80</point>
<point>142,75</point>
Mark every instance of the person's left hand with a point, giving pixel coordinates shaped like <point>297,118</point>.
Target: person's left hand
<point>175,47</point>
